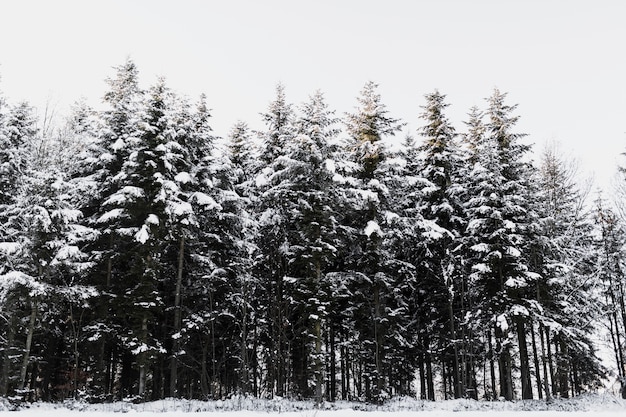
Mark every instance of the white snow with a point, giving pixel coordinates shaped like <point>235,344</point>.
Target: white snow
<point>9,248</point>
<point>67,215</point>
<point>518,310</point>
<point>481,267</point>
<point>111,214</point>
<point>480,247</point>
<point>330,166</point>
<point>143,234</point>
<point>183,178</point>
<point>515,283</point>
<point>263,179</point>
<point>206,200</point>
<point>514,252</point>
<point>598,405</point>
<point>182,208</point>
<point>117,145</point>
<point>372,227</point>
<point>66,252</point>
<point>152,219</point>
<point>390,216</point>
<point>502,323</point>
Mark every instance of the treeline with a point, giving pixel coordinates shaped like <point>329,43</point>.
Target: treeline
<point>142,257</point>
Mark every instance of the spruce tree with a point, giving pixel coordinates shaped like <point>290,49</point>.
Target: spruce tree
<point>366,255</point>
<point>441,204</point>
<point>497,223</point>
<point>272,261</point>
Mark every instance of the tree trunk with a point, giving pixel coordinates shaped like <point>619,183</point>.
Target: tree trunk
<point>430,384</point>
<point>280,343</point>
<point>344,371</point>
<point>143,358</point>
<point>109,263</point>
<point>204,373</point>
<point>378,343</point>
<point>527,391</point>
<point>245,377</point>
<point>29,341</point>
<point>255,360</point>
<point>422,376</point>
<point>492,368</point>
<point>504,367</point>
<point>563,368</point>
<point>550,362</point>
<point>177,321</point>
<point>544,360</point>
<point>536,362</point>
<point>75,335</point>
<point>333,366</point>
<point>213,358</point>
<point>6,360</point>
<point>319,363</point>
<point>456,378</point>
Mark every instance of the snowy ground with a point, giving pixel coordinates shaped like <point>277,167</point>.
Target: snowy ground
<point>604,405</point>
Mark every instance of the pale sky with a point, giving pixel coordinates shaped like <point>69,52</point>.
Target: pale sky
<point>563,62</point>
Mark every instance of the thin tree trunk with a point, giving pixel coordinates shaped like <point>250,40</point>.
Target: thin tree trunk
<point>620,351</point>
<point>255,360</point>
<point>177,320</point>
<point>430,384</point>
<point>616,349</point>
<point>563,366</point>
<point>213,358</point>
<point>29,341</point>
<point>319,363</point>
<point>456,378</point>
<point>544,361</point>
<point>378,343</point>
<point>245,377</point>
<point>143,358</point>
<point>444,377</point>
<point>422,376</point>
<point>333,366</point>
<point>504,367</point>
<point>536,362</point>
<point>622,306</point>
<point>280,365</point>
<point>492,368</point>
<point>344,370</point>
<point>204,373</point>
<point>527,391</point>
<point>109,262</point>
<point>551,363</point>
<point>6,360</point>
<point>75,336</point>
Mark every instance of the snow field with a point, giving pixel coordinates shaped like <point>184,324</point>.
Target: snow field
<point>596,405</point>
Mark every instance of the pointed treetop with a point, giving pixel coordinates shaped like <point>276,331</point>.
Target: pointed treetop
<point>475,135</point>
<point>124,85</point>
<point>279,122</point>
<point>370,123</point>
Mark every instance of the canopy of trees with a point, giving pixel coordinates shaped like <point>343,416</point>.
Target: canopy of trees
<point>142,257</point>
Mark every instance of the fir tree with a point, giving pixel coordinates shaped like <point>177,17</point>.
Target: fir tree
<point>366,254</point>
<point>497,223</point>
<point>441,204</point>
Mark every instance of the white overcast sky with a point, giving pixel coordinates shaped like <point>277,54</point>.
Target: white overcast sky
<point>563,62</point>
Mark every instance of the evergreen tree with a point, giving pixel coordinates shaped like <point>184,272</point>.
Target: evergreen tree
<point>497,223</point>
<point>440,203</point>
<point>272,261</point>
<point>312,235</point>
<point>42,282</point>
<point>366,256</point>
<point>116,136</point>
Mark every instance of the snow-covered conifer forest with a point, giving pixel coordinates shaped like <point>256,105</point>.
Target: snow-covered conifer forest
<point>322,258</point>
